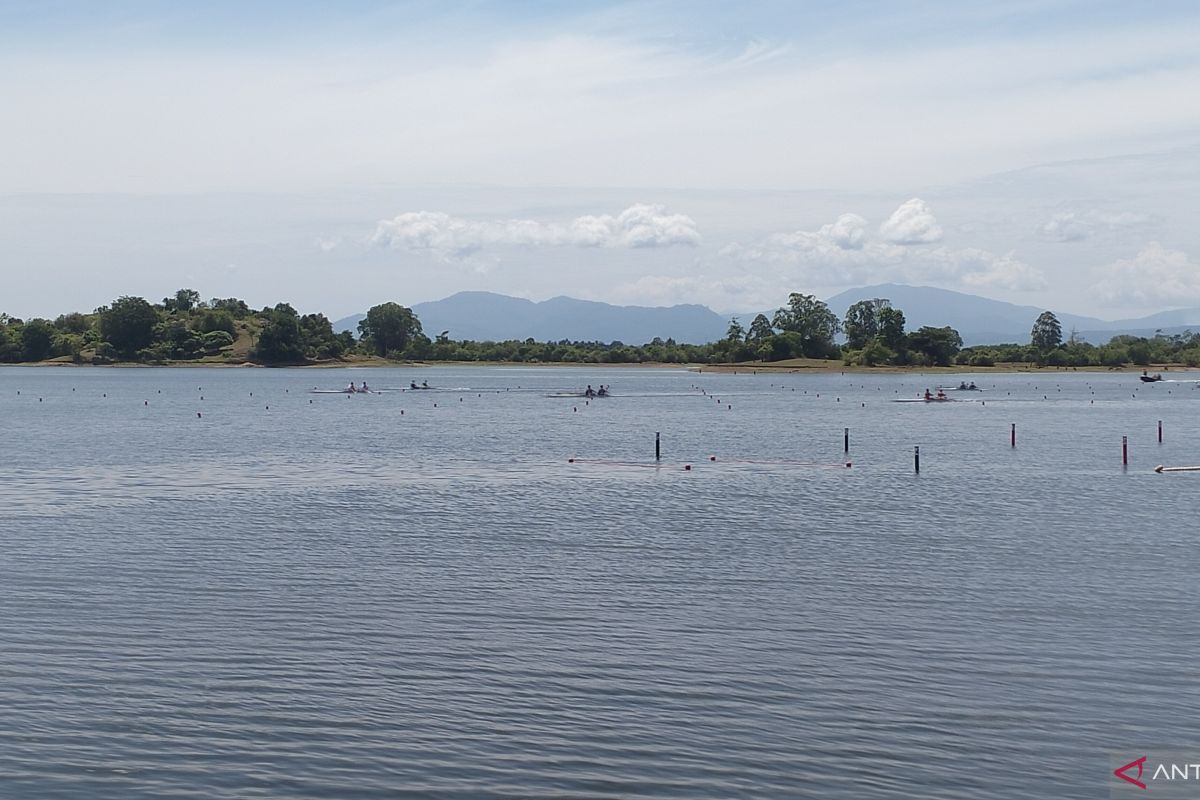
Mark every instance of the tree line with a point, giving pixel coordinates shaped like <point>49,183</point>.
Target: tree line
<point>185,328</point>
<point>807,328</point>
<point>182,327</point>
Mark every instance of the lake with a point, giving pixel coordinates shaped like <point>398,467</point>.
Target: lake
<point>216,584</point>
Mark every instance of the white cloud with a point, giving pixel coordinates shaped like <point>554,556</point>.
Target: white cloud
<point>912,223</point>
<point>454,238</point>
<point>1066,227</point>
<point>829,257</point>
<point>848,232</point>
<point>1071,226</point>
<point>982,269</point>
<point>839,242</point>
<point>637,226</point>
<point>1154,275</point>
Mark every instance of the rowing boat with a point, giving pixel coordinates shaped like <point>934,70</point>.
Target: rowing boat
<point>344,391</point>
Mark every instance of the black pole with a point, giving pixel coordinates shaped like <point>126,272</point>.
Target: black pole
<point>657,447</point>
<point>917,459</point>
<point>846,439</point>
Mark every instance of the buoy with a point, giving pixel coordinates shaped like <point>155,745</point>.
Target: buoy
<point>712,458</point>
<point>197,414</point>
<point>572,461</point>
<point>687,467</point>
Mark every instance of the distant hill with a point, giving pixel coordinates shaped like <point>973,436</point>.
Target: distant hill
<point>488,316</point>
<point>484,315</point>
<point>983,321</point>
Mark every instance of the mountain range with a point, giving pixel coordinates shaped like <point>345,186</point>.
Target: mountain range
<point>486,316</point>
<point>980,320</point>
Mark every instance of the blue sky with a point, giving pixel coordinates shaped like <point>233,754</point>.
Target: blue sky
<point>653,153</point>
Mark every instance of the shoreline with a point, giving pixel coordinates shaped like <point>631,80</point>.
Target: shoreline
<point>790,366</point>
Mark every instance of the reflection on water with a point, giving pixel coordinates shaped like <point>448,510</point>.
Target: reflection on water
<point>271,593</point>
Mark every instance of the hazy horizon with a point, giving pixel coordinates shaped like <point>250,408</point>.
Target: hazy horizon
<point>631,153</point>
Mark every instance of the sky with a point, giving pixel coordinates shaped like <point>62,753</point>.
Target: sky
<point>338,155</point>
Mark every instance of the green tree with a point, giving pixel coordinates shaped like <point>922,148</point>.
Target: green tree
<point>73,323</point>
<point>1047,332</point>
<point>891,329</point>
<point>210,321</point>
<point>812,320</point>
<point>68,344</point>
<point>1139,352</point>
<point>388,327</point>
<point>176,339</point>
<point>213,341</point>
<point>319,338</point>
<point>10,345</point>
<point>938,345</point>
<point>281,340</point>
<point>184,300</point>
<point>37,338</point>
<point>788,344</point>
<point>236,308</point>
<point>862,322</point>
<point>760,328</point>
<point>128,324</point>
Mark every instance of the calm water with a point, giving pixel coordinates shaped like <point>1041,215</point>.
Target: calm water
<point>415,594</point>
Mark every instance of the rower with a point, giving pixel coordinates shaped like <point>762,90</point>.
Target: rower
<point>928,396</point>
<point>351,388</point>
<point>941,395</point>
<point>603,391</point>
<point>413,385</point>
<point>424,384</point>
<point>364,387</point>
<point>590,391</point>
